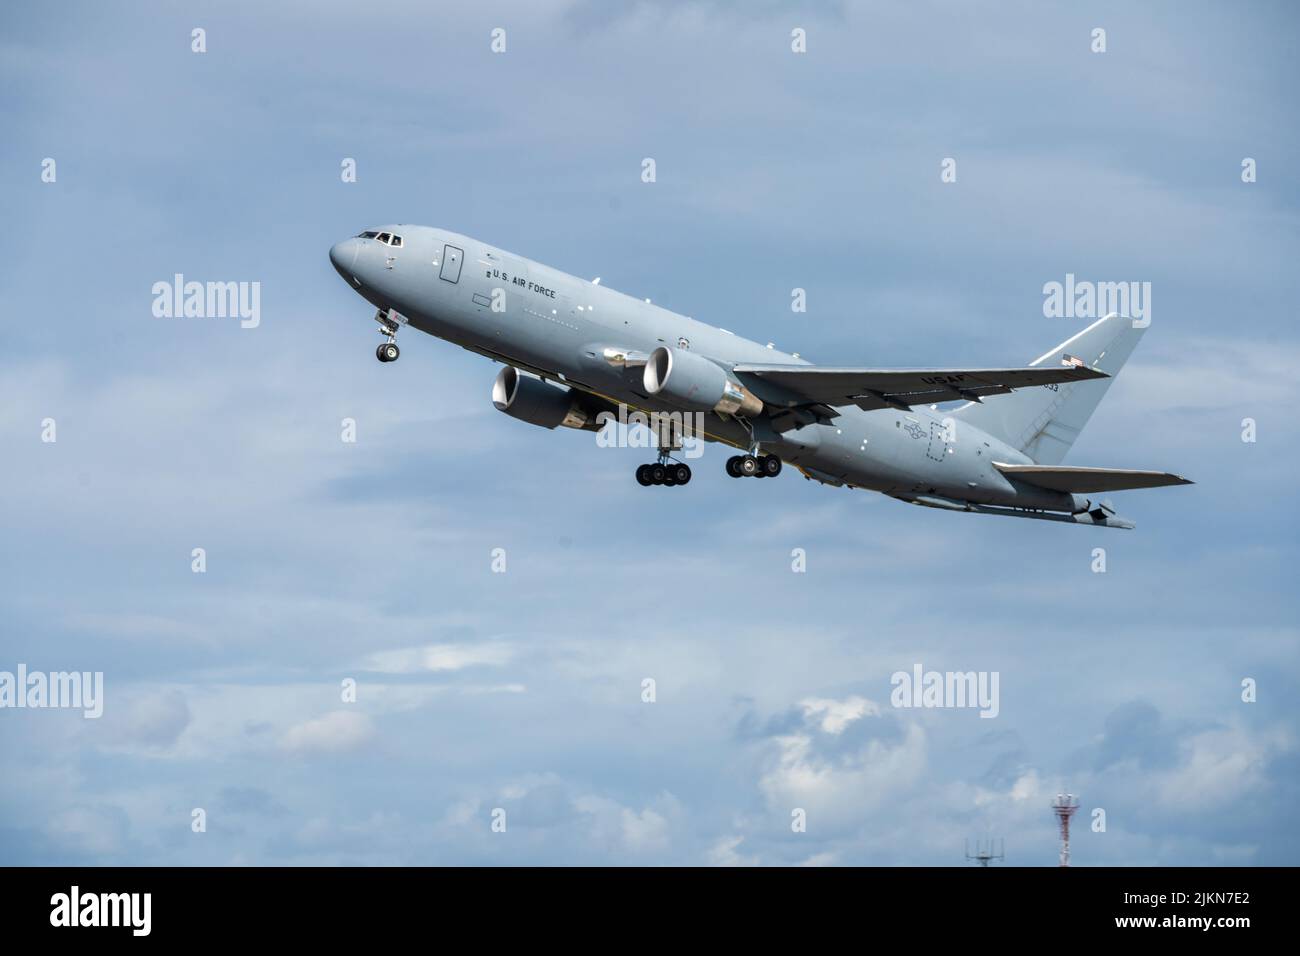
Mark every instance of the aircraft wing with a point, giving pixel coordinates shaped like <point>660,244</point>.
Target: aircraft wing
<point>1088,480</point>
<point>872,388</point>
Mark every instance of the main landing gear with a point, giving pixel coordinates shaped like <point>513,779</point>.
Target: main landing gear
<point>753,466</point>
<point>664,472</point>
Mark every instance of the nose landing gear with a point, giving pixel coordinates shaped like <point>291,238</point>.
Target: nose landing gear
<point>388,351</point>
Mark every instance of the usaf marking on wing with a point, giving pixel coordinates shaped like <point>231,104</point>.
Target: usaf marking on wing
<point>999,452</point>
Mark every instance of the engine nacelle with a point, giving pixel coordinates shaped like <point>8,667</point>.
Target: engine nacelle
<point>692,381</point>
<point>534,401</point>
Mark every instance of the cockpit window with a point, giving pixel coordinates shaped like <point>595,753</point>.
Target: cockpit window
<point>385,237</point>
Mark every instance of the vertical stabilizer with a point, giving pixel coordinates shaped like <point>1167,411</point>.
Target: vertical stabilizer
<point>1044,422</point>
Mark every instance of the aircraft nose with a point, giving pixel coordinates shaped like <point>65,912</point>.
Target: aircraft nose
<point>344,255</point>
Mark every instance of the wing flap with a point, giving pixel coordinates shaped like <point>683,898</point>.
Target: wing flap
<point>870,388</point>
<point>1088,480</point>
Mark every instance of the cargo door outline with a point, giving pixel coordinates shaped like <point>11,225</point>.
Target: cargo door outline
<point>939,445</point>
<point>452,259</point>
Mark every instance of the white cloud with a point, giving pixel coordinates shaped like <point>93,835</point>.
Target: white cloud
<point>1217,768</point>
<point>154,720</point>
<point>1027,787</point>
<point>644,830</point>
<point>827,858</point>
<point>725,852</point>
<point>836,715</point>
<point>839,788</point>
<point>440,657</point>
<point>339,731</point>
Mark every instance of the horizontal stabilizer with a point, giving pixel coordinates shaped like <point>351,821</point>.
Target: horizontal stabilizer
<point>1088,480</point>
<point>873,388</point>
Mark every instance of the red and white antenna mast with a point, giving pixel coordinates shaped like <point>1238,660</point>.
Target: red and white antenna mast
<point>1064,806</point>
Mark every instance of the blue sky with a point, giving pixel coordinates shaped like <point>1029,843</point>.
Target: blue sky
<point>523,690</point>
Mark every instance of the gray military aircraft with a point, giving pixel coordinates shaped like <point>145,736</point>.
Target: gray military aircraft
<point>574,351</point>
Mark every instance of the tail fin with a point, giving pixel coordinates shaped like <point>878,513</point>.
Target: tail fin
<point>1044,422</point>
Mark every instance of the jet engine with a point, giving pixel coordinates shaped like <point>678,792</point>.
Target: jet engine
<point>692,381</point>
<point>534,401</point>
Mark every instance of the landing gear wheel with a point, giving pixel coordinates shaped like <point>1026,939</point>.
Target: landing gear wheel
<point>668,473</point>
<point>748,466</point>
<point>733,466</point>
<point>388,352</point>
<point>771,466</point>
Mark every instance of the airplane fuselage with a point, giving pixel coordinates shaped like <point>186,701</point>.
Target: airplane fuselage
<point>572,331</point>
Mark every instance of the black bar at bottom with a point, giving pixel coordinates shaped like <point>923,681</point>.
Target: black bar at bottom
<point>214,906</point>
